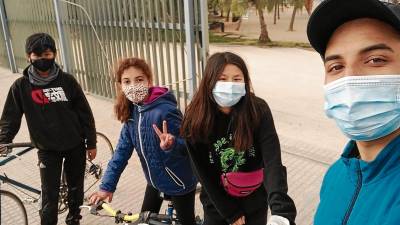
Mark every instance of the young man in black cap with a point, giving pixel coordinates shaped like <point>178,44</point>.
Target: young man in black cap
<point>60,123</point>
<point>359,42</point>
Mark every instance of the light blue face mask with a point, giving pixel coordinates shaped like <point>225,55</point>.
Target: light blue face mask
<point>227,94</point>
<point>364,107</point>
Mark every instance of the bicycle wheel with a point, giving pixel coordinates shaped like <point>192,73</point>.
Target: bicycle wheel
<point>95,169</point>
<point>12,210</point>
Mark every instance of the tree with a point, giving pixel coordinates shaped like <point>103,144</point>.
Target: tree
<point>308,4</point>
<point>274,5</point>
<point>238,7</point>
<point>260,6</point>
<point>298,5</point>
<point>227,7</point>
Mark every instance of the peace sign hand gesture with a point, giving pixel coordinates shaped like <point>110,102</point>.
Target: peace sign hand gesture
<point>166,139</point>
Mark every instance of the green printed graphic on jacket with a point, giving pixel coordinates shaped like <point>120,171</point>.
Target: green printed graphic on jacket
<point>230,159</point>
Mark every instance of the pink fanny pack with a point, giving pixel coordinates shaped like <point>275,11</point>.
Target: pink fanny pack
<point>241,184</point>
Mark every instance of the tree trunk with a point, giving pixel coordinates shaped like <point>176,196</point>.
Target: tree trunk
<point>308,4</point>
<point>227,15</point>
<point>264,32</point>
<point>239,24</point>
<point>279,13</point>
<point>292,20</point>
<point>222,12</point>
<point>276,8</point>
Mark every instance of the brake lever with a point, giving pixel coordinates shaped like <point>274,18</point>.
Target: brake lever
<point>93,209</point>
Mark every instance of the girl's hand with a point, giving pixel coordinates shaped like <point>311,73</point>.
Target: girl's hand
<point>166,139</point>
<point>100,196</point>
<point>239,221</point>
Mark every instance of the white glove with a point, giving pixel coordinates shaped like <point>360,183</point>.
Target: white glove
<point>278,220</point>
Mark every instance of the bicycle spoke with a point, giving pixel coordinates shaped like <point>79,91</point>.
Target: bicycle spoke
<point>95,169</point>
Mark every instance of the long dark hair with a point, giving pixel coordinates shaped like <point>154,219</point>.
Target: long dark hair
<point>199,117</point>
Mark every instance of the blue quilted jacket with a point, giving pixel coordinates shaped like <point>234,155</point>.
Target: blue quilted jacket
<point>167,171</point>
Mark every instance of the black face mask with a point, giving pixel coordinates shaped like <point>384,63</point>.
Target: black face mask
<point>43,64</point>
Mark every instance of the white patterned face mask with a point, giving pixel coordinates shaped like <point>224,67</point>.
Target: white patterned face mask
<point>135,93</point>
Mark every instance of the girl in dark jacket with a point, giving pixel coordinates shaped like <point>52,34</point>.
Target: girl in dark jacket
<point>162,153</point>
<point>235,150</point>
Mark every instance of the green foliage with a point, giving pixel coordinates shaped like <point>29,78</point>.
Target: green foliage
<point>239,7</point>
<point>299,4</point>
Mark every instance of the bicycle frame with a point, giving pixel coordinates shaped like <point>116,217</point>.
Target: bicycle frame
<point>15,155</point>
<point>5,179</point>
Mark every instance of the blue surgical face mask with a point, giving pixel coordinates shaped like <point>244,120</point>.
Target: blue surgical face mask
<point>364,107</point>
<point>227,94</point>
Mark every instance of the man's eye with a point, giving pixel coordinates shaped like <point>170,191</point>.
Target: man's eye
<point>376,60</point>
<point>335,68</point>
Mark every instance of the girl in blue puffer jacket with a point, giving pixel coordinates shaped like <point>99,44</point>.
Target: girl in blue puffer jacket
<point>143,109</point>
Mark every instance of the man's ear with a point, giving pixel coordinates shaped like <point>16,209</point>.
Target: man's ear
<point>28,59</point>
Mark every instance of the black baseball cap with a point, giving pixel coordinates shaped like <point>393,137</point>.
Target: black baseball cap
<point>330,14</point>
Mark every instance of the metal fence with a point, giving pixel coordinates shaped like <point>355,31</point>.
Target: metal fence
<point>92,35</point>
<point>3,52</point>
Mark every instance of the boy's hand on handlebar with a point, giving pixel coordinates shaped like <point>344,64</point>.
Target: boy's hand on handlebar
<point>100,196</point>
<point>91,153</point>
<point>3,148</point>
<point>167,140</point>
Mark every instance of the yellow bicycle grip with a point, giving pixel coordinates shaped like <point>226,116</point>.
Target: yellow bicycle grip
<point>131,218</point>
<point>108,209</point>
<point>112,212</point>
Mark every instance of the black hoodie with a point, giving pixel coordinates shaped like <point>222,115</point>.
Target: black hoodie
<point>58,115</point>
<point>265,153</point>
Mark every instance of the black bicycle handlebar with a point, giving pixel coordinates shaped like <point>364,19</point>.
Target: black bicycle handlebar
<point>17,145</point>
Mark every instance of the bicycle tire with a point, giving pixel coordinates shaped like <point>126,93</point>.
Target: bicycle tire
<point>95,169</point>
<point>9,201</point>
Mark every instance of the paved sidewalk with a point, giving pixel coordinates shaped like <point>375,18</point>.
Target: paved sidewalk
<point>289,79</point>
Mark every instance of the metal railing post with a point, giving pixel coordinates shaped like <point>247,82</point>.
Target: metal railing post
<point>204,31</point>
<point>7,38</point>
<point>190,47</point>
<point>63,44</point>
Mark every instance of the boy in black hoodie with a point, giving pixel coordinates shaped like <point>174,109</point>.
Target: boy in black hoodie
<point>60,123</point>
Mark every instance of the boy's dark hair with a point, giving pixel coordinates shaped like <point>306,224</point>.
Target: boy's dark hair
<point>38,43</point>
